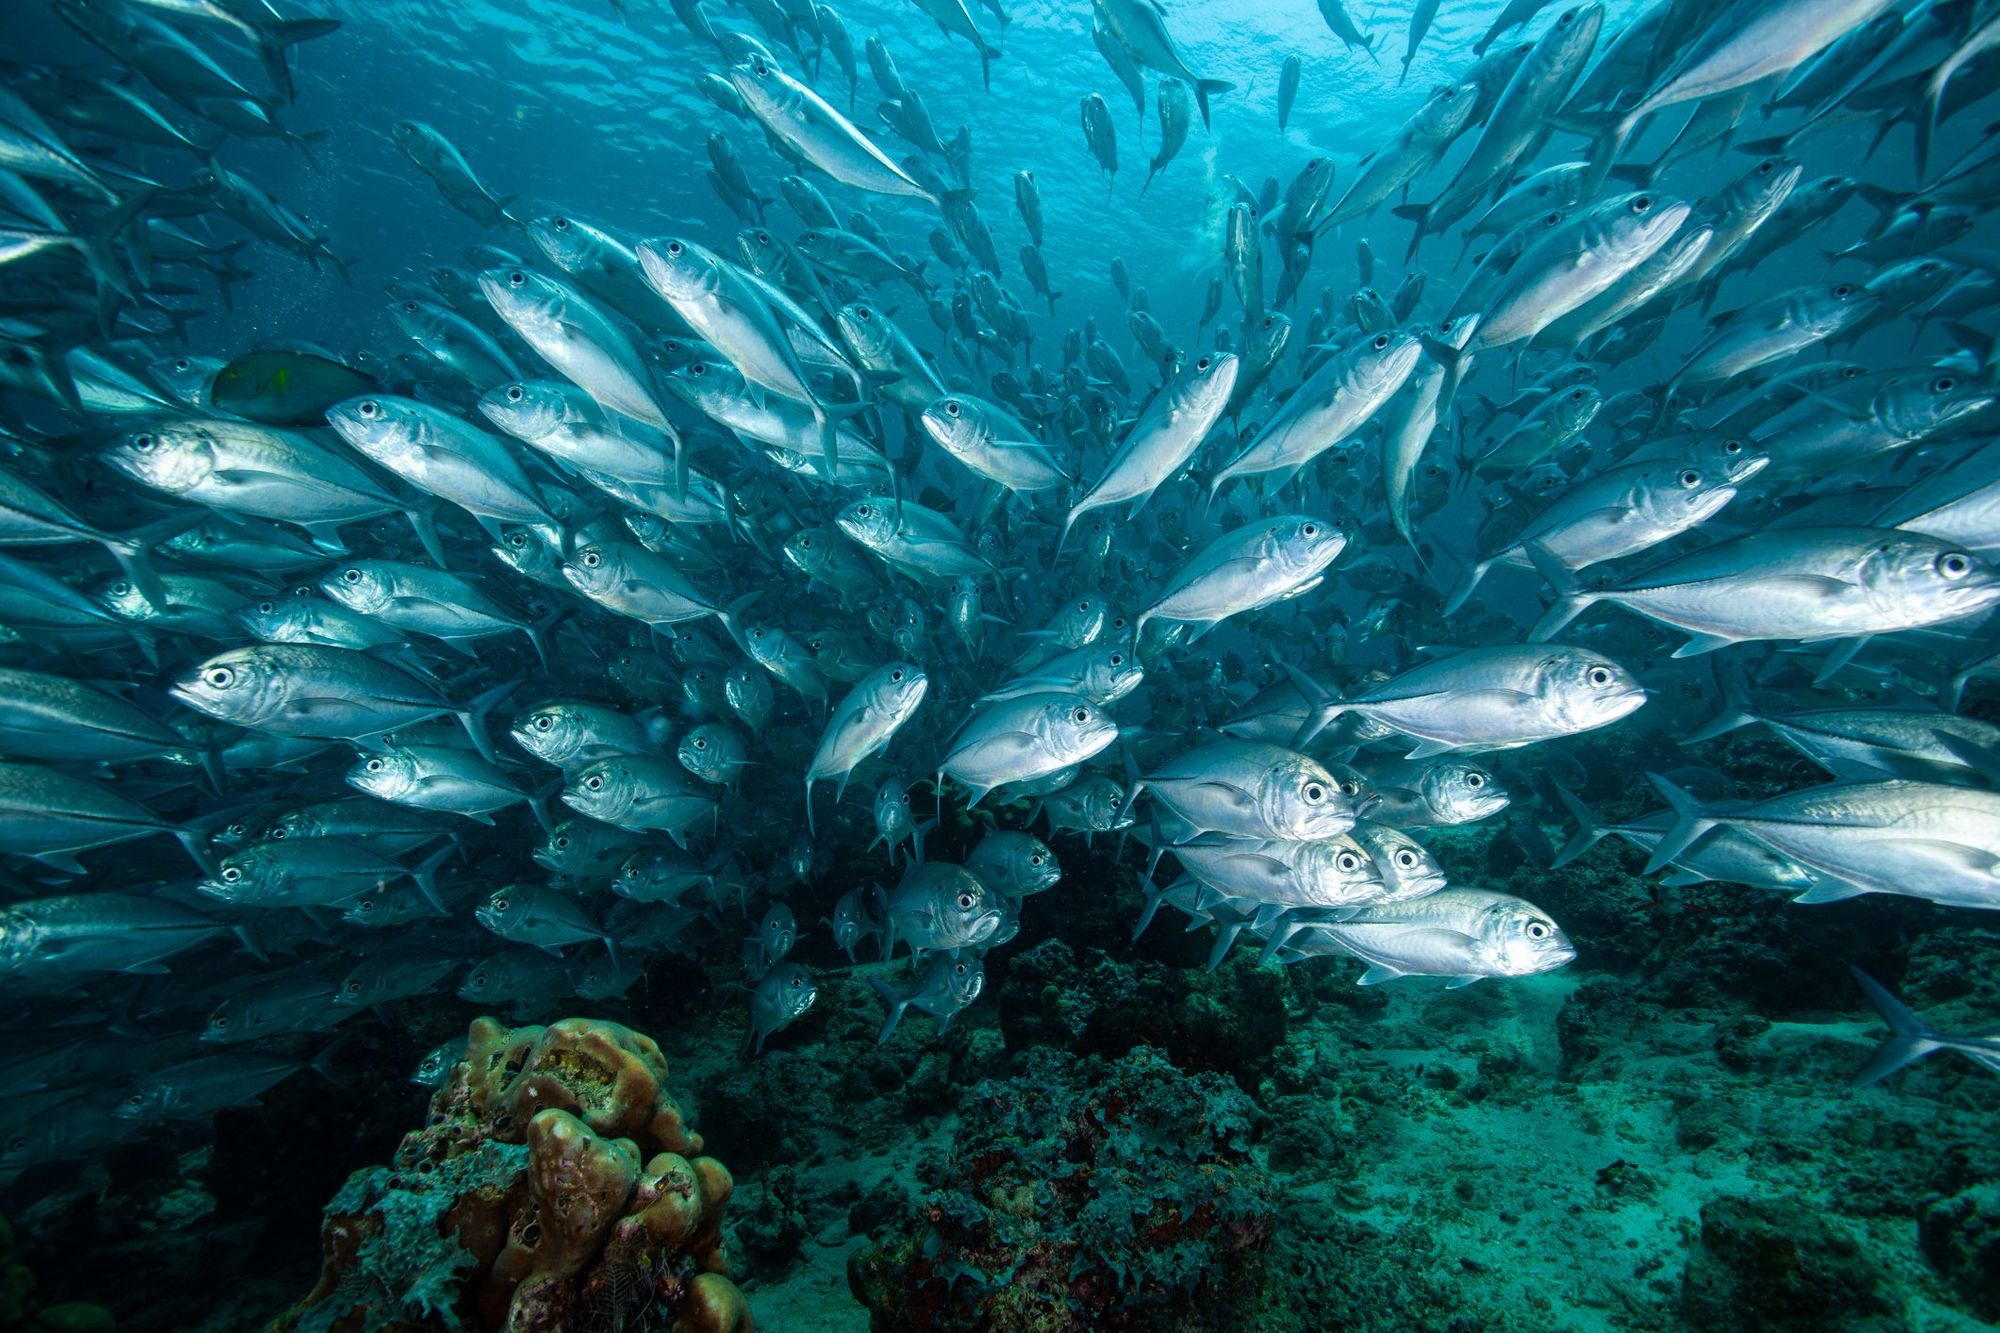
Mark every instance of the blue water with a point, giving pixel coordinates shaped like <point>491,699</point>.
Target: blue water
<point>1660,1135</point>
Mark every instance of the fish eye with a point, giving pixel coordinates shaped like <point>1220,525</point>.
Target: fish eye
<point>144,443</point>
<point>515,393</point>
<point>518,540</point>
<point>1843,291</point>
<point>594,783</point>
<point>369,409</point>
<point>499,904</point>
<point>1347,862</point>
<point>798,980</point>
<point>1035,859</point>
<point>1117,659</point>
<point>1083,608</point>
<point>230,874</point>
<point>1475,780</point>
<point>951,407</point>
<point>675,249</point>
<point>1406,858</point>
<point>266,608</point>
<point>218,678</point>
<point>960,969</point>
<point>1766,167</point>
<point>517,279</point>
<point>1381,341</point>
<point>561,224</point>
<point>591,560</point>
<point>966,902</point>
<point>120,588</point>
<point>1642,203</point>
<point>543,721</point>
<point>896,676</point>
<point>1600,676</point>
<point>410,307</point>
<point>1314,793</point>
<point>764,237</point>
<point>1690,479</point>
<point>1954,565</point>
<point>351,575</point>
<point>1536,930</point>
<point>1202,364</point>
<point>1578,395</point>
<point>374,765</point>
<point>1943,384</point>
<point>220,1022</point>
<point>1079,714</point>
<point>864,314</point>
<point>1732,446</point>
<point>862,511</point>
<point>561,841</point>
<point>1310,530</point>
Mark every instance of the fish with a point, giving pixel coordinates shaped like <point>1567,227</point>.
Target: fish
<point>1140,28</point>
<point>1791,583</point>
<point>1490,698</point>
<point>778,1000</point>
<point>1465,934</point>
<point>946,989</point>
<point>863,724</point>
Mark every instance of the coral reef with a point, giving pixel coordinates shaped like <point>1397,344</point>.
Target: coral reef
<point>554,1186</point>
<point>21,1308</point>
<point>1081,1193</point>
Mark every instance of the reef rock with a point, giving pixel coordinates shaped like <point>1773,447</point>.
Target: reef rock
<point>1082,1194</point>
<point>553,1186</point>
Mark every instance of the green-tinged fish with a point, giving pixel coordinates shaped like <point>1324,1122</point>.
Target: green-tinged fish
<point>284,388</point>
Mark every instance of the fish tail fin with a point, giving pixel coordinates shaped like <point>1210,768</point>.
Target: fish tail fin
<point>425,876</point>
<point>1691,821</point>
<point>1590,830</point>
<point>1154,895</point>
<point>473,716</point>
<point>1325,705</point>
<point>1910,1038</point>
<point>1474,573</point>
<point>1608,132</point>
<point>1206,88</point>
<point>1571,597</point>
<point>897,1004</point>
<point>1735,712</point>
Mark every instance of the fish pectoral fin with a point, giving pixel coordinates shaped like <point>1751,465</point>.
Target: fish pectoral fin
<point>1831,891</point>
<point>1378,973</point>
<point>1698,644</point>
<point>1459,983</point>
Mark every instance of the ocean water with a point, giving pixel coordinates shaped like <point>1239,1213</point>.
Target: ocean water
<point>1644,1115</point>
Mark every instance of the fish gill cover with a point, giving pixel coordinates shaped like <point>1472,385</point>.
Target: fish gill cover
<point>945,579</point>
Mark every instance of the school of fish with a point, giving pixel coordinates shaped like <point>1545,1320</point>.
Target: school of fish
<point>618,597</point>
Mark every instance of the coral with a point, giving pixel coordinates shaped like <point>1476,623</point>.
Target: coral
<point>1961,1237</point>
<point>21,1310</point>
<point>1229,1020</point>
<point>1777,1263</point>
<point>554,1186</point>
<point>1085,1193</point>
